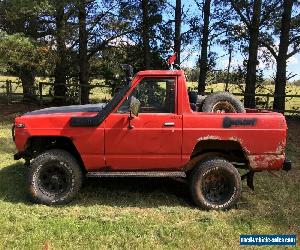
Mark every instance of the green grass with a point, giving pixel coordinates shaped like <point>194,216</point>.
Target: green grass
<point>142,213</point>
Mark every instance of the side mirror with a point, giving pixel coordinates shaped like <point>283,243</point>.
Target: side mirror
<point>135,105</point>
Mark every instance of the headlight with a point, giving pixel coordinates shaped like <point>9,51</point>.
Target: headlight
<point>13,129</point>
<point>20,125</point>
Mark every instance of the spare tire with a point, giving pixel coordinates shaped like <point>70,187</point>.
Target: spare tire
<point>222,102</point>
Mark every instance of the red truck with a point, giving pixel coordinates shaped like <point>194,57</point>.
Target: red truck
<point>149,129</point>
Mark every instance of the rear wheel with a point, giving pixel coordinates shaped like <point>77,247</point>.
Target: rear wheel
<point>215,184</point>
<point>54,178</point>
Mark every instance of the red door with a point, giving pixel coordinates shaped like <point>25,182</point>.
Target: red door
<point>155,139</point>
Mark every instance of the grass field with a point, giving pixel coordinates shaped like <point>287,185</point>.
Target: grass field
<point>141,213</point>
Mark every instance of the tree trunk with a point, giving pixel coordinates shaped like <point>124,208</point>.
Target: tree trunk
<point>228,68</point>
<point>177,38</point>
<point>145,34</point>
<point>83,58</point>
<point>280,80</point>
<point>61,63</point>
<point>27,77</point>
<point>252,58</point>
<point>204,47</point>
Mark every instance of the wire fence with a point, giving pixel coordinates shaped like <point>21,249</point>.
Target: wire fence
<point>11,91</point>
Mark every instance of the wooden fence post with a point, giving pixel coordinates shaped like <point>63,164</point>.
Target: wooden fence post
<point>41,93</point>
<point>79,94</point>
<point>8,91</point>
<point>268,100</point>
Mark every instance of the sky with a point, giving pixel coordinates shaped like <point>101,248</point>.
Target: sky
<point>191,53</point>
<point>293,65</point>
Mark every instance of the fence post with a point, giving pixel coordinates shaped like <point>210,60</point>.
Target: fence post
<point>268,100</point>
<point>41,93</point>
<point>79,94</point>
<point>8,90</point>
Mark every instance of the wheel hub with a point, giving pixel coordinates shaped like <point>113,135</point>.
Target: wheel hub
<point>223,107</point>
<point>215,188</point>
<point>54,180</point>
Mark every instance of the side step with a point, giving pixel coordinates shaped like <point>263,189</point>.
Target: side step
<point>137,174</point>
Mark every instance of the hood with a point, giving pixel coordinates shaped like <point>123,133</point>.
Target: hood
<point>69,109</point>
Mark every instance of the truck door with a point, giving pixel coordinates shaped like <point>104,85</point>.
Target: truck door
<point>155,137</point>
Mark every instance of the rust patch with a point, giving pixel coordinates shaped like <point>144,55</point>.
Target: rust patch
<point>281,147</point>
<point>234,138</point>
<point>209,137</point>
<point>266,162</point>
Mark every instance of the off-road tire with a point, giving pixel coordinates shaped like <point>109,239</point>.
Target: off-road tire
<point>222,101</point>
<point>202,186</point>
<point>64,167</point>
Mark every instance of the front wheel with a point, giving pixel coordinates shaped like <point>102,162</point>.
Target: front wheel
<point>54,178</point>
<point>215,184</point>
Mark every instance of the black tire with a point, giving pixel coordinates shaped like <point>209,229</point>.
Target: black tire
<point>215,184</point>
<point>192,96</point>
<point>222,102</point>
<point>54,178</point>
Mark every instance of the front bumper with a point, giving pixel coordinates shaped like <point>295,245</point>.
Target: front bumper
<point>287,165</point>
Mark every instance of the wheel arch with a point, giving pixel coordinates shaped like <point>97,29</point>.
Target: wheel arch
<point>230,150</point>
<point>36,145</point>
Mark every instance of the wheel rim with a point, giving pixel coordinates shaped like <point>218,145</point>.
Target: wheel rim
<point>216,187</point>
<point>223,107</point>
<point>54,179</point>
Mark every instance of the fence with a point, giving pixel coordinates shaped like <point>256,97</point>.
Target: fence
<point>266,104</point>
<point>10,94</point>
<point>78,88</point>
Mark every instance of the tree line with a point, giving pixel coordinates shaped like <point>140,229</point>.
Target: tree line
<point>87,39</point>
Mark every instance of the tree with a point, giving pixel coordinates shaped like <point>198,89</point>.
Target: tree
<point>83,52</point>
<point>145,33</point>
<point>60,71</point>
<point>253,24</point>
<point>21,24</point>
<point>280,80</point>
<point>152,33</point>
<point>287,28</point>
<point>204,47</point>
<point>177,36</point>
<point>24,57</point>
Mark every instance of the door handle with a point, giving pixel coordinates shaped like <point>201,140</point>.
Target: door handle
<point>169,124</point>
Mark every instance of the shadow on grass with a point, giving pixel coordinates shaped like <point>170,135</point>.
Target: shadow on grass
<point>12,183</point>
<point>134,192</point>
<point>115,192</point>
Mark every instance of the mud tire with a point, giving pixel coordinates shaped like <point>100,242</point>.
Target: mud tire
<point>215,184</point>
<point>54,178</point>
